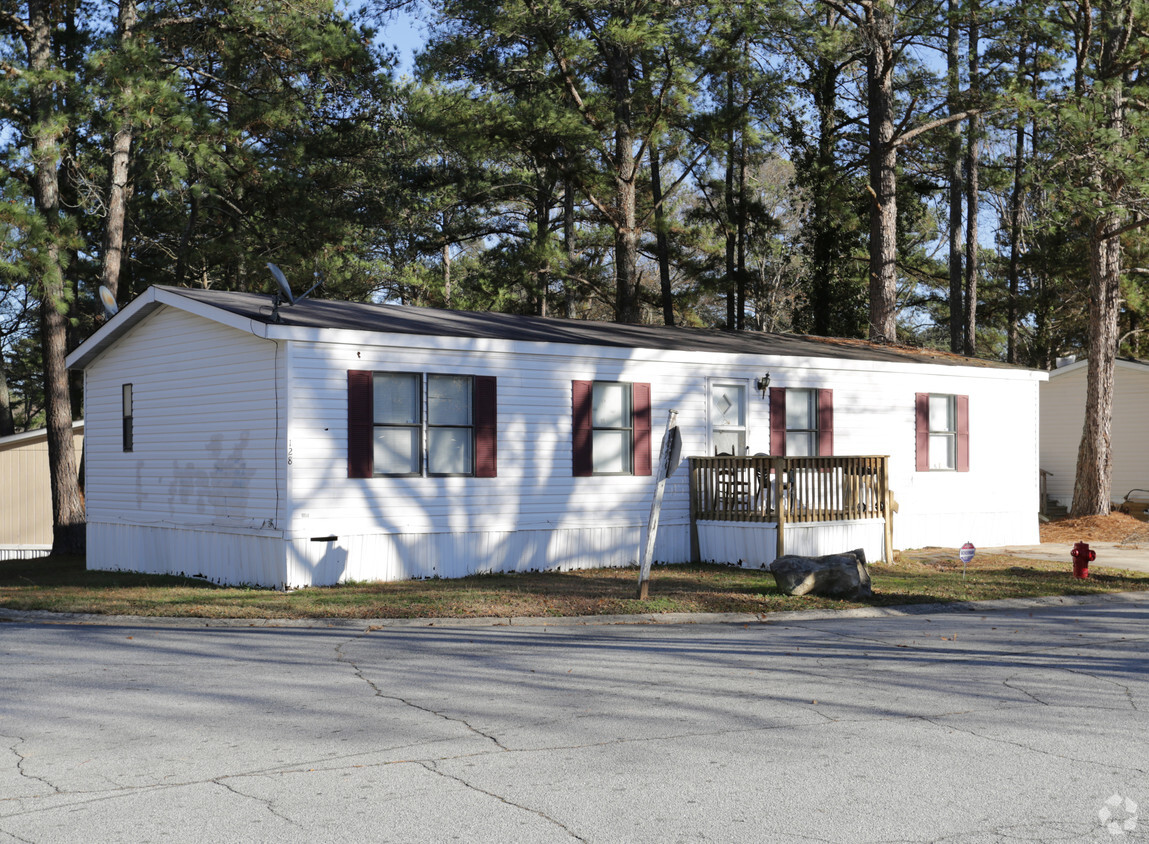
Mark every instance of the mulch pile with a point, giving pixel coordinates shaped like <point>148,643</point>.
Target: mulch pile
<point>1116,527</point>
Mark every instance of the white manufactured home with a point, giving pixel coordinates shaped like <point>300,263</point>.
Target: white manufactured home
<point>331,441</point>
<point>1063,419</point>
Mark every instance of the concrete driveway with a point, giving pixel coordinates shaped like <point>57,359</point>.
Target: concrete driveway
<point>1013,721</point>
<point>1110,554</point>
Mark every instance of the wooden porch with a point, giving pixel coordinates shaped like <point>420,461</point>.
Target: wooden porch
<point>790,490</point>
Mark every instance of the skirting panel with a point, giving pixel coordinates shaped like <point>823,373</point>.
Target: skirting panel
<point>24,552</point>
<point>228,558</point>
<point>385,557</point>
<point>245,559</point>
<point>755,544</point>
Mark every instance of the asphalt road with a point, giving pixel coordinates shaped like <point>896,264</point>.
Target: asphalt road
<point>986,724</point>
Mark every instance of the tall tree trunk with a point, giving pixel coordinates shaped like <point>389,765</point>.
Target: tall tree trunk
<point>7,423</point>
<point>67,506</point>
<point>662,245</point>
<point>1014,268</point>
<point>542,235</point>
<point>954,174</point>
<point>740,269</point>
<point>825,247</point>
<point>447,274</point>
<point>625,206</point>
<point>883,158</point>
<point>1092,484</point>
<point>973,194</point>
<point>731,291</point>
<point>569,246</point>
<point>1094,474</point>
<point>181,270</point>
<point>118,193</point>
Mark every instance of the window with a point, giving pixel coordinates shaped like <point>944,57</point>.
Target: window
<point>126,410</point>
<point>611,428</point>
<point>942,423</point>
<point>450,434</point>
<point>728,418</point>
<point>801,422</point>
<point>943,432</point>
<point>406,424</point>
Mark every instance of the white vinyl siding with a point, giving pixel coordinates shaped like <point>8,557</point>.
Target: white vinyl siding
<point>874,414</point>
<point>204,428</point>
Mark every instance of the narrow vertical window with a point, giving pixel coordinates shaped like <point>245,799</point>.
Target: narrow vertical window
<point>612,436</point>
<point>398,422</point>
<point>801,423</point>
<point>942,432</point>
<point>127,416</point>
<point>450,425</point>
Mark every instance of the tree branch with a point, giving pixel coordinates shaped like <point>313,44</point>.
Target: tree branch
<point>934,124</point>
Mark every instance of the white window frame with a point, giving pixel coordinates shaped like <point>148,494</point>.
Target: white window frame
<point>949,435</point>
<point>811,434</point>
<point>424,426</point>
<point>626,430</point>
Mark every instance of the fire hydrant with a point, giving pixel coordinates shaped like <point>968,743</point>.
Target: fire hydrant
<point>1082,557</point>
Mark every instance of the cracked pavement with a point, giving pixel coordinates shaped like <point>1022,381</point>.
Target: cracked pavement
<point>987,724</point>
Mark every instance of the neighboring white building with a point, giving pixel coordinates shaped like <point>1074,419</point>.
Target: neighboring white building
<point>1063,419</point>
<point>356,441</point>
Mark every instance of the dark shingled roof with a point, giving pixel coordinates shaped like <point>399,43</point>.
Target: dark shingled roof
<point>407,319</point>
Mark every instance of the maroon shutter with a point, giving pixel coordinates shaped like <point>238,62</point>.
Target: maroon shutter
<point>962,433</point>
<point>922,430</point>
<point>582,462</point>
<point>640,404</point>
<point>825,423</point>
<point>778,421</point>
<point>360,424</point>
<point>486,413</point>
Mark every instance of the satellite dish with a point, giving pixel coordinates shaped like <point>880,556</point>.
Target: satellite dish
<point>110,306</point>
<point>281,280</point>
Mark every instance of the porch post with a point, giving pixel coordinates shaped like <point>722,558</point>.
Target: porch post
<point>779,465</point>
<point>695,549</point>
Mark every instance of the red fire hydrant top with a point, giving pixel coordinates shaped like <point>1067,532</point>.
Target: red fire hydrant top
<point>1082,556</point>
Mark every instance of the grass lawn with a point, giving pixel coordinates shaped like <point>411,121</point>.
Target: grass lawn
<point>61,584</point>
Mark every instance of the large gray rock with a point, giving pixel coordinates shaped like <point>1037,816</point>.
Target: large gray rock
<point>832,576</point>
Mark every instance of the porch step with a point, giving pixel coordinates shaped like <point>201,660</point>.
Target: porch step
<point>1053,510</point>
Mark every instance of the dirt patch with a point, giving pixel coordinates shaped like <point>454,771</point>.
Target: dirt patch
<point>1116,527</point>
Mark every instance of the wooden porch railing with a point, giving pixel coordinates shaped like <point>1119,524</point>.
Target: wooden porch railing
<point>790,490</point>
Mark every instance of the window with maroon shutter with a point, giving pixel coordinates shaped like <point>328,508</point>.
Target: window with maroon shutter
<point>801,422</point>
<point>610,430</point>
<point>941,441</point>
<point>410,424</point>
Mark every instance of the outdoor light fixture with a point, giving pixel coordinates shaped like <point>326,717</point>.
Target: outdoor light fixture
<point>762,384</point>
